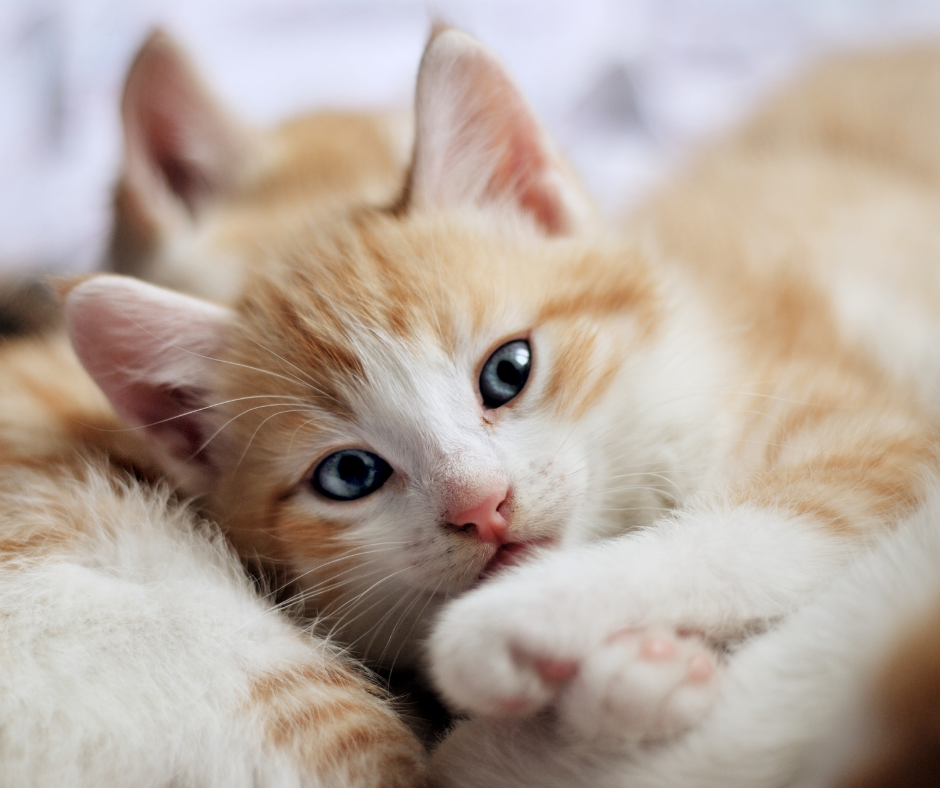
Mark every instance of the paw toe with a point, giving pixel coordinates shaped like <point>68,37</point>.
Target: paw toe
<point>641,686</point>
<point>556,671</point>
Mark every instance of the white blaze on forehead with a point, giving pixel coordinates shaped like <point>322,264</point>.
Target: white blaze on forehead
<point>417,402</point>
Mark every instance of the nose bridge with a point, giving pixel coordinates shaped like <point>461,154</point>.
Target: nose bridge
<point>465,478</point>
<point>457,461</point>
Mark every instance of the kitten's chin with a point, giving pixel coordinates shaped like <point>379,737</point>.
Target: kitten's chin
<point>512,554</point>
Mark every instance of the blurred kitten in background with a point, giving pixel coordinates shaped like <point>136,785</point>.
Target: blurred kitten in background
<point>196,181</point>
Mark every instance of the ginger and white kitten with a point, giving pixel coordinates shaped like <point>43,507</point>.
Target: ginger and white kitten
<point>135,651</point>
<point>681,436</point>
<point>196,181</point>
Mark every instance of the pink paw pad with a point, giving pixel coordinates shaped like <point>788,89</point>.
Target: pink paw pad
<point>658,647</point>
<point>556,671</point>
<point>700,669</point>
<point>641,685</point>
<point>685,645</point>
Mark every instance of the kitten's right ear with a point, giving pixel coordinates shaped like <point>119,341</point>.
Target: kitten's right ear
<point>478,143</point>
<point>181,147</point>
<point>153,352</point>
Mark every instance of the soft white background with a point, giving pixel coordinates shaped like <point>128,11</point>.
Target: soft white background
<point>628,87</point>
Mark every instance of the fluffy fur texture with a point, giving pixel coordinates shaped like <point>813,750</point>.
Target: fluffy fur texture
<point>135,650</point>
<point>843,694</point>
<point>724,407</point>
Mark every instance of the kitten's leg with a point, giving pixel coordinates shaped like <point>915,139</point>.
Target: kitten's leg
<point>799,706</point>
<point>548,632</point>
<point>321,719</point>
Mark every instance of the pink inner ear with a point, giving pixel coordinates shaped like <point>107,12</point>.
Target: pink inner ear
<point>175,131</point>
<point>163,144</point>
<point>152,352</point>
<point>479,143</point>
<point>521,170</point>
<point>170,416</point>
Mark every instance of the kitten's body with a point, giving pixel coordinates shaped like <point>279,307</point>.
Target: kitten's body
<point>135,649</point>
<point>818,217</point>
<point>814,231</point>
<point>715,398</point>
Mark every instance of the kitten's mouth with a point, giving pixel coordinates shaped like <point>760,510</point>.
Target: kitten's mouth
<point>512,554</point>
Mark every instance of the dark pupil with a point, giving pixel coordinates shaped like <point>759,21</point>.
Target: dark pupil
<point>509,373</point>
<point>352,469</point>
<point>350,474</point>
<point>505,373</point>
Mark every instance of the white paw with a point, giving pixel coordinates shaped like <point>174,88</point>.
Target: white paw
<point>506,648</point>
<point>528,642</point>
<point>641,685</point>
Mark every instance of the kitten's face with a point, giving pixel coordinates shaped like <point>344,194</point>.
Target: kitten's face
<point>396,373</point>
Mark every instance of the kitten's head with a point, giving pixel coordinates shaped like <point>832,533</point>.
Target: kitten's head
<point>406,400</point>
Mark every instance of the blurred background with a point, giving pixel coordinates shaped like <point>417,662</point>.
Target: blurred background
<point>628,87</point>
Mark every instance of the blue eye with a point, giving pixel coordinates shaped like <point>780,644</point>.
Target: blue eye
<point>505,372</point>
<point>350,474</point>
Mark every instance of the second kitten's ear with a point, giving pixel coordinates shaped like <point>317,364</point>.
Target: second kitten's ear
<point>478,142</point>
<point>152,352</point>
<point>182,149</point>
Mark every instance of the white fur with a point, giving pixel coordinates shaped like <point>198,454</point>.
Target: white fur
<point>573,481</point>
<point>793,708</point>
<point>724,572</point>
<point>128,651</point>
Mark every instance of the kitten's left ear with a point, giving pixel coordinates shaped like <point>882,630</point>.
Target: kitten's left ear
<point>154,354</point>
<point>182,148</point>
<point>478,142</point>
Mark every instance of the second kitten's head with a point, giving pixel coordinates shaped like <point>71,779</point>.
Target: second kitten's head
<point>407,400</point>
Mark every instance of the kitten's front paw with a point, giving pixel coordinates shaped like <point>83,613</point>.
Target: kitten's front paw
<point>505,649</point>
<point>641,685</point>
<point>525,643</point>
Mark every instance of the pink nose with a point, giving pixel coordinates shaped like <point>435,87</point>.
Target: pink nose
<point>484,515</point>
